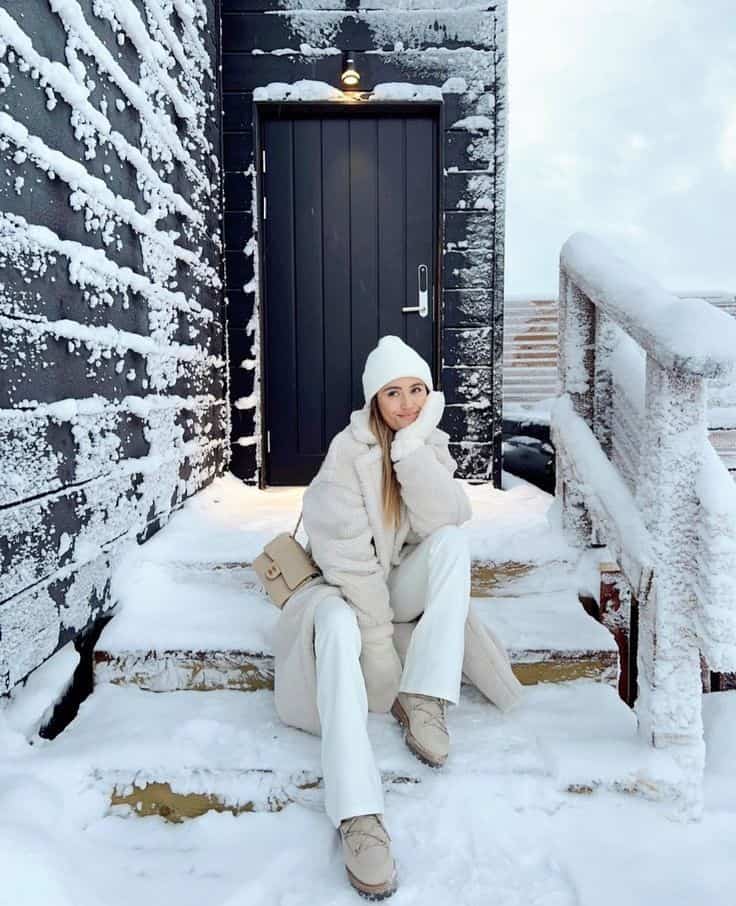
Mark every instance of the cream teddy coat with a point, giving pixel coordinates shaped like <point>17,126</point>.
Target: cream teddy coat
<point>355,550</point>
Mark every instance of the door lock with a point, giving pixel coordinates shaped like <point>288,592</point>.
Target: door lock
<point>422,292</point>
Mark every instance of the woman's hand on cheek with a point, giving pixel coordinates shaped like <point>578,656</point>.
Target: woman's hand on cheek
<point>407,439</point>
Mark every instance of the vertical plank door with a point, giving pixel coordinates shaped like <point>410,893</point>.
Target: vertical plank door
<point>351,215</point>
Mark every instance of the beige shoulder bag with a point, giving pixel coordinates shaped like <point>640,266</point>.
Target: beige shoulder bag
<point>284,566</point>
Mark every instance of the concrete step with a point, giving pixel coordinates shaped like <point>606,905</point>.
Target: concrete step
<point>211,627</point>
<point>183,754</point>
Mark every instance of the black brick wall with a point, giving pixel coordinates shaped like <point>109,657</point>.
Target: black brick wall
<point>112,395</point>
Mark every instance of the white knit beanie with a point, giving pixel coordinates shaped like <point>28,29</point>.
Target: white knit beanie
<point>392,359</point>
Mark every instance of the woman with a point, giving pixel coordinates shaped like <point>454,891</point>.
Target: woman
<point>382,517</point>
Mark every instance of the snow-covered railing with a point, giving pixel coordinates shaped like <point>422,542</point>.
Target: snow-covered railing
<point>674,534</point>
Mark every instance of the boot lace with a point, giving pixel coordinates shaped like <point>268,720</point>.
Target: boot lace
<point>433,711</point>
<point>361,832</point>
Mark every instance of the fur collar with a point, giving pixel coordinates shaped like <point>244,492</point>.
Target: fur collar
<point>360,426</point>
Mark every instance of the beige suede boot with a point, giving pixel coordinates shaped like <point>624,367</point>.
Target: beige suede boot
<point>424,719</point>
<point>367,853</point>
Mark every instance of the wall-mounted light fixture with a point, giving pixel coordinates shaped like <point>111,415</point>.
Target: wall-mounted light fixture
<point>350,76</point>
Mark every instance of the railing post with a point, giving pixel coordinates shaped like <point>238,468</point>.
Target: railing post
<point>615,614</point>
<point>669,702</point>
<point>579,352</point>
<point>605,340</point>
<point>576,368</point>
<point>560,467</point>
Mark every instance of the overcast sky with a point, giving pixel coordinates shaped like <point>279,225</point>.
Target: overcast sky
<point>622,117</point>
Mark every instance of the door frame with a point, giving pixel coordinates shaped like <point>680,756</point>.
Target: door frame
<point>285,109</point>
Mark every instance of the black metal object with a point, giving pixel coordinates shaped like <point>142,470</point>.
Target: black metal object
<point>531,458</point>
<point>82,684</point>
<point>349,216</point>
<point>633,672</point>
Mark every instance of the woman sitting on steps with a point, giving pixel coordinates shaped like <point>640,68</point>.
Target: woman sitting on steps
<point>382,517</point>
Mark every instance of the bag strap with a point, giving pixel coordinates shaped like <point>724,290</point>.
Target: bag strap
<point>296,529</point>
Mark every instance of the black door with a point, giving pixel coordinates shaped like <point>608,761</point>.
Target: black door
<point>350,207</point>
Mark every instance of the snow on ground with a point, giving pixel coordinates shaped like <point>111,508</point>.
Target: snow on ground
<point>535,413</point>
<point>539,622</point>
<point>28,712</point>
<point>171,606</point>
<point>496,825</point>
<point>187,588</point>
<point>230,522</point>
<point>572,733</point>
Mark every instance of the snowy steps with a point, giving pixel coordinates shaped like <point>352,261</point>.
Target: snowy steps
<point>183,754</point>
<point>219,637</point>
<point>201,632</point>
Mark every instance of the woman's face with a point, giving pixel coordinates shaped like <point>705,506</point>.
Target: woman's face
<point>401,401</point>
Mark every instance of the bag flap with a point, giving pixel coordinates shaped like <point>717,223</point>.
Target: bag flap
<point>292,559</point>
<point>265,567</point>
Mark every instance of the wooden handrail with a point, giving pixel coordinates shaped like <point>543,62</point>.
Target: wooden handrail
<point>664,532</point>
<point>687,335</point>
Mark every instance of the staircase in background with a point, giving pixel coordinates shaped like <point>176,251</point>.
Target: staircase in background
<point>530,368</point>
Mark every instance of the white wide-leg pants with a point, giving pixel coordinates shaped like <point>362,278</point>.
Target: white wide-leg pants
<point>432,581</point>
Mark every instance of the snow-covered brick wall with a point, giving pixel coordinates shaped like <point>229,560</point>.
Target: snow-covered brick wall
<point>112,348</point>
<point>410,50</point>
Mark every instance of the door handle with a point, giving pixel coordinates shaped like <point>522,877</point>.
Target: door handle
<point>422,292</point>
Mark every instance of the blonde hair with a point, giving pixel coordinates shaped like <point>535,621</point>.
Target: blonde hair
<point>391,490</point>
